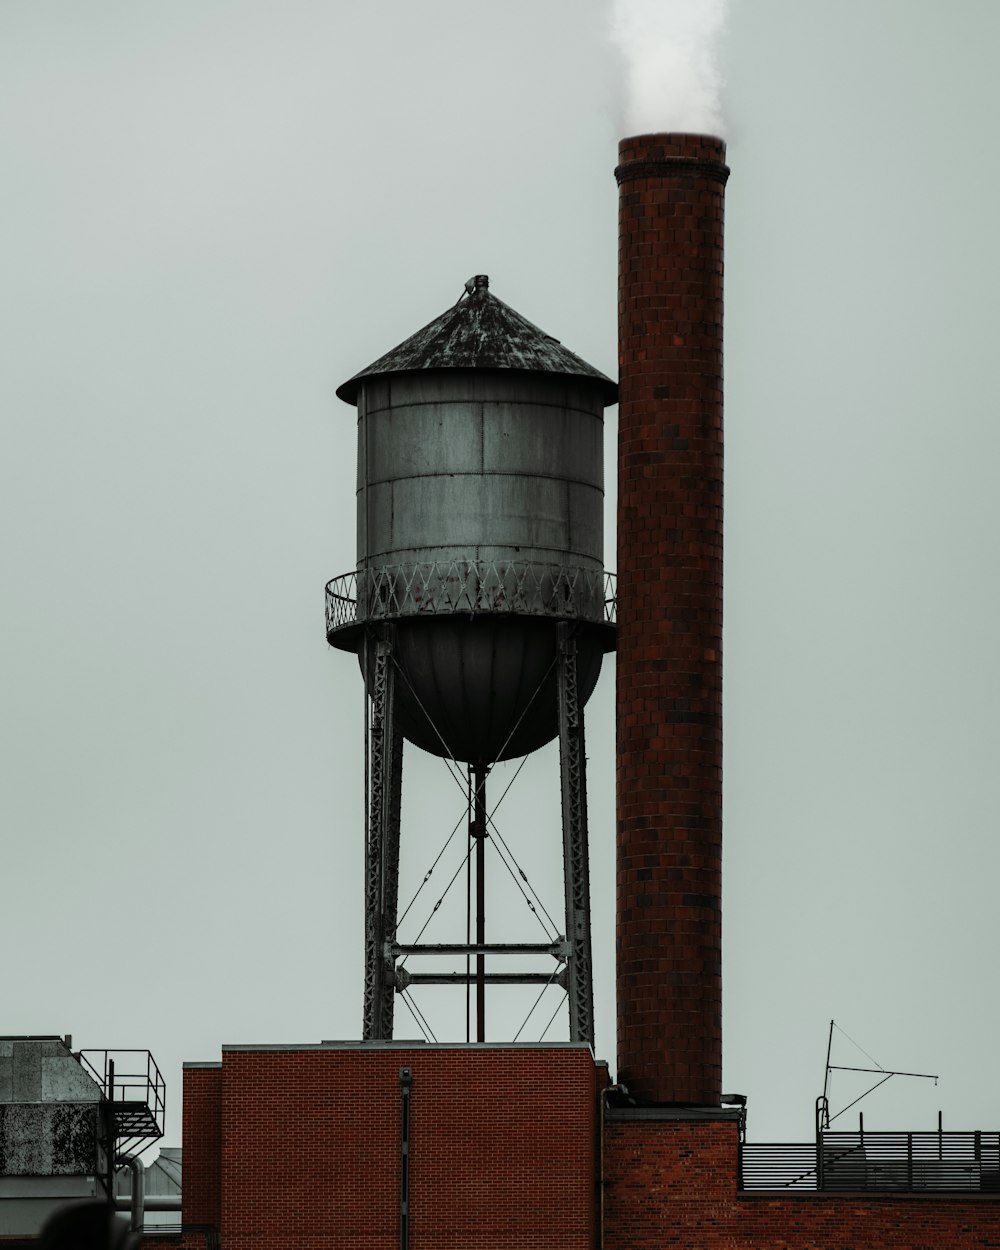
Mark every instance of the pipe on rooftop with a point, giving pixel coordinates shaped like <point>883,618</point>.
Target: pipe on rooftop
<point>137,1196</point>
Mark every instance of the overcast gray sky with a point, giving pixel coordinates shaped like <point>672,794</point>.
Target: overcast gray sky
<point>217,210</point>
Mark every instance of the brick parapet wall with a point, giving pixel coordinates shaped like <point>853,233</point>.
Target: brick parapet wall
<point>502,1147</point>
<point>201,1143</point>
<point>669,665</point>
<point>671,1183</point>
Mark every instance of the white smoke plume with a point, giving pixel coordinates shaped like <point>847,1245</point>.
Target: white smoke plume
<point>671,56</point>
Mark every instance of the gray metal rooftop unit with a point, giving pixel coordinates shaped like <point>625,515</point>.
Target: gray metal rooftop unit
<point>64,1121</point>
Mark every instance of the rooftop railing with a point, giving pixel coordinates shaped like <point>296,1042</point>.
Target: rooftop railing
<point>136,1092</point>
<point>875,1162</point>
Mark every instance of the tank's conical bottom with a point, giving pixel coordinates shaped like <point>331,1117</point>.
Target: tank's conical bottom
<point>484,689</point>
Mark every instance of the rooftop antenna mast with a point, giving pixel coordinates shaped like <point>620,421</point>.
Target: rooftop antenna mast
<point>823,1116</point>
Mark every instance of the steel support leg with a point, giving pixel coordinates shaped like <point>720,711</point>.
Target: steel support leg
<point>382,844</point>
<point>576,866</point>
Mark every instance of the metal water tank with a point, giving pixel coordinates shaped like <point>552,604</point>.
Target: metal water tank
<point>480,498</point>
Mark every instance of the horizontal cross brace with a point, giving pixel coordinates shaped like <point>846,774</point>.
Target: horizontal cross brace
<point>462,978</point>
<point>559,950</point>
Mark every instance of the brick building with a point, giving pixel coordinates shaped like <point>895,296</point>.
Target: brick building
<point>385,1144</point>
<point>310,1147</point>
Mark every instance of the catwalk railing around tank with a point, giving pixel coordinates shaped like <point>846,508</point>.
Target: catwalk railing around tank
<point>470,587</point>
<point>876,1162</point>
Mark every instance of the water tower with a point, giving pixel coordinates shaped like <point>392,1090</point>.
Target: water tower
<point>479,610</point>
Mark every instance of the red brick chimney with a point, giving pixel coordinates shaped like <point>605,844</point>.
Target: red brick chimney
<point>669,702</point>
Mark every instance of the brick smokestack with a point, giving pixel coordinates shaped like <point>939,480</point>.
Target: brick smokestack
<point>669,701</point>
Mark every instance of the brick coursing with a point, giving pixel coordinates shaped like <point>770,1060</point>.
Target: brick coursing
<point>669,666</point>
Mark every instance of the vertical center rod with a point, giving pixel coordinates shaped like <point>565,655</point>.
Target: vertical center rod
<point>479,832</point>
<point>468,909</point>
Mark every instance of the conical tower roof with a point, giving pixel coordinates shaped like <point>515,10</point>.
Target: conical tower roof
<point>481,332</point>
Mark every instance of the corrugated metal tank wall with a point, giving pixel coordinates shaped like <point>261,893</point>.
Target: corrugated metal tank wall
<point>480,466</point>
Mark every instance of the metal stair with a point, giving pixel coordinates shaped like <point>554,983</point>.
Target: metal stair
<point>135,1094</point>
